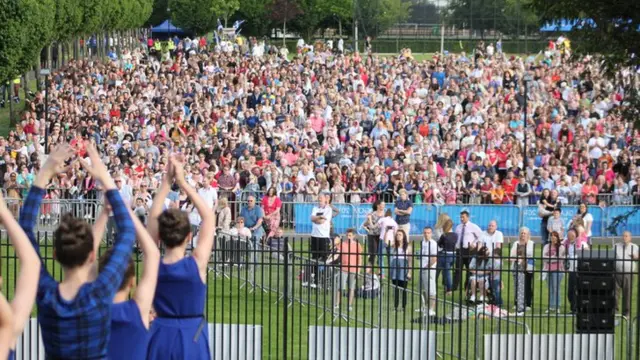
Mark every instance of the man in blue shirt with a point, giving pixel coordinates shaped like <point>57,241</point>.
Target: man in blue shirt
<point>75,314</point>
<point>253,217</point>
<point>403,210</point>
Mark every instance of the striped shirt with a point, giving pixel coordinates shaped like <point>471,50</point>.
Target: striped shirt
<point>79,328</point>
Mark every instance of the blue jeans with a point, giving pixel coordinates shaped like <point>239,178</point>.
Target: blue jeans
<point>497,292</point>
<point>553,281</point>
<point>445,264</point>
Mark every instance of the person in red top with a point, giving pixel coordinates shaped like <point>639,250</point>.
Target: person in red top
<point>509,186</point>
<point>350,254</point>
<point>271,205</point>
<point>502,154</point>
<point>79,146</point>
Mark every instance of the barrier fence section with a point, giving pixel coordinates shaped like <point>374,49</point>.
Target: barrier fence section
<point>510,218</point>
<point>278,300</point>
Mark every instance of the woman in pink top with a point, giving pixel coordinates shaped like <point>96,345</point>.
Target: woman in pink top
<point>388,228</point>
<point>271,205</point>
<point>554,256</point>
<point>589,192</point>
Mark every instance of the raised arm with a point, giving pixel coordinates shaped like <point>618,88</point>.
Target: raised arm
<point>110,278</point>
<point>29,214</point>
<point>158,202</point>
<point>208,225</point>
<point>100,226</point>
<point>27,282</point>
<point>146,288</point>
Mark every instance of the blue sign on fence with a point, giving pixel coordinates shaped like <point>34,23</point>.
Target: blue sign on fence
<point>509,217</point>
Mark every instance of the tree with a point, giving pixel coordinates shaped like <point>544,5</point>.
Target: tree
<point>612,34</point>
<point>12,36</point>
<point>506,16</point>
<point>339,10</point>
<point>283,11</point>
<point>376,16</point>
<point>159,13</point>
<point>257,14</point>
<point>227,8</point>
<point>196,16</point>
<point>312,12</point>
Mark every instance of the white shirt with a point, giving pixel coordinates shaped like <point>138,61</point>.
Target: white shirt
<point>625,254</point>
<point>322,230</point>
<point>209,195</point>
<point>429,249</point>
<point>491,241</point>
<point>598,144</point>
<point>472,233</point>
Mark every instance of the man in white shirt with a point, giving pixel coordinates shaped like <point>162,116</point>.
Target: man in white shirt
<point>627,256</point>
<point>492,238</point>
<point>468,233</point>
<point>127,197</point>
<point>209,194</point>
<point>428,263</point>
<point>320,231</point>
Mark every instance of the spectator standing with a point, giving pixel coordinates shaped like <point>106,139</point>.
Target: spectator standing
<point>350,252</point>
<point>521,256</point>
<point>253,217</point>
<point>399,269</point>
<point>478,267</point>
<point>223,214</point>
<point>373,232</point>
<point>587,220</point>
<point>573,249</point>
<point>495,277</point>
<point>271,204</point>
<point>492,238</point>
<point>554,256</point>
<point>555,223</point>
<point>428,265</point>
<point>404,207</point>
<point>545,210</point>
<point>388,229</point>
<point>468,233</point>
<point>321,216</point>
<point>523,192</point>
<point>627,256</point>
<point>447,256</point>
<point>127,197</point>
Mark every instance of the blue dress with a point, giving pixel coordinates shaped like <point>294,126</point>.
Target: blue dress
<point>180,329</point>
<point>12,355</point>
<point>129,337</point>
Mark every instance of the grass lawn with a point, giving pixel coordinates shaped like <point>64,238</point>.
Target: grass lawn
<point>233,301</point>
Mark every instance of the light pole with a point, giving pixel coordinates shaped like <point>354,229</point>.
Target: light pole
<point>526,80</point>
<point>45,73</point>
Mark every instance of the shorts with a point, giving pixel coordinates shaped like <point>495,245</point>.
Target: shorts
<point>478,278</point>
<point>428,281</point>
<point>345,281</point>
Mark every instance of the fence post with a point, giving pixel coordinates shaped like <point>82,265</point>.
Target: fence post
<point>285,303</point>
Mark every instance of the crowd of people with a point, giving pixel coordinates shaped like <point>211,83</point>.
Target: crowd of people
<point>173,136</point>
<point>448,130</point>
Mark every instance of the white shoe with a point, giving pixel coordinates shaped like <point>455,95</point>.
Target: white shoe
<point>305,284</point>
<point>432,313</point>
<point>350,308</point>
<point>313,285</point>
<point>528,308</point>
<point>520,313</point>
<point>481,299</point>
<point>472,298</point>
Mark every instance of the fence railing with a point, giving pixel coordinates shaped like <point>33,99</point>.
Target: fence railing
<point>281,300</point>
<point>295,216</point>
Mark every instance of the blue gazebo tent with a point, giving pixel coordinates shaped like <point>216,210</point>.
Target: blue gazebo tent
<point>166,29</point>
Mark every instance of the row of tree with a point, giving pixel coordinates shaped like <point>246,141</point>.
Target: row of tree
<point>303,17</point>
<point>28,26</point>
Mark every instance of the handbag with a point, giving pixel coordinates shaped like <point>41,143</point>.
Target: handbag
<point>542,212</point>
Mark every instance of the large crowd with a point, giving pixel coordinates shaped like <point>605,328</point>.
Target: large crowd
<point>194,127</point>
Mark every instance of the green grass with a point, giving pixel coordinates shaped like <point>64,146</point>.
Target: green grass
<point>232,301</point>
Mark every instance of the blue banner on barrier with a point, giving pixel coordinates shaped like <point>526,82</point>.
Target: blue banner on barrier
<point>507,216</point>
<point>354,215</point>
<point>531,219</point>
<point>632,223</point>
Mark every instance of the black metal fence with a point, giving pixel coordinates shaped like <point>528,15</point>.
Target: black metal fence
<point>280,300</point>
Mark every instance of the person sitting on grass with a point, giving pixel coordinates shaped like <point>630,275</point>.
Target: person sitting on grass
<point>75,314</point>
<point>15,315</point>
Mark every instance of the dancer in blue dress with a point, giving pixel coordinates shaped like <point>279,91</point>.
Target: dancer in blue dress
<point>15,315</point>
<point>180,328</point>
<point>130,317</point>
